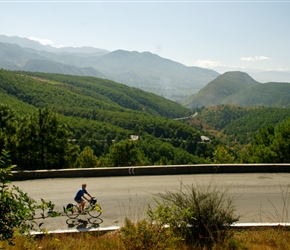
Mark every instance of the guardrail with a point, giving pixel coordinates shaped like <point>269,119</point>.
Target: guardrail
<point>151,170</point>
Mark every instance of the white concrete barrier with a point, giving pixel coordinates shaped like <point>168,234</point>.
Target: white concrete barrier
<point>114,228</point>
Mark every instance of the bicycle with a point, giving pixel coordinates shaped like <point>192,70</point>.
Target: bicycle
<point>73,210</point>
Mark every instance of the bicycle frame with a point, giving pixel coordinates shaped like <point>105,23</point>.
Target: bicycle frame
<point>73,210</point>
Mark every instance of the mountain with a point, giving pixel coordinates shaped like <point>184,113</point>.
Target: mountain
<point>82,94</point>
<point>144,70</point>
<point>152,73</point>
<point>47,66</point>
<point>240,89</point>
<point>28,43</point>
<point>14,57</point>
<point>93,112</point>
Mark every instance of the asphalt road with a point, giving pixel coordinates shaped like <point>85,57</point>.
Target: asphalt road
<point>257,197</point>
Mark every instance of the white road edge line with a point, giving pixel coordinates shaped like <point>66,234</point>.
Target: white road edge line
<point>114,228</point>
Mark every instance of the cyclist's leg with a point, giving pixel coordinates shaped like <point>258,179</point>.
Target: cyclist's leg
<point>81,204</point>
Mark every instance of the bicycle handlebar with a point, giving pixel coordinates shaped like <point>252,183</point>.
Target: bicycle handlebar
<point>93,200</point>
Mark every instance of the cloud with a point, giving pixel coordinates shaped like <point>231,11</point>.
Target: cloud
<point>256,58</point>
<point>42,41</point>
<point>208,64</point>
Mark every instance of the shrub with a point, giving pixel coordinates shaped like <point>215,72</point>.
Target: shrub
<point>15,205</point>
<point>145,235</point>
<point>17,208</point>
<point>200,215</point>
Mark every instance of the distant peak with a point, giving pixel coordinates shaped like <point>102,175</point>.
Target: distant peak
<point>238,75</point>
<point>235,73</point>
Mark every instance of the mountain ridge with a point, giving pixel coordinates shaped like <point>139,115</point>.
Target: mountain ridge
<point>143,70</point>
<point>190,86</point>
<point>238,88</point>
<point>32,44</point>
<point>83,93</point>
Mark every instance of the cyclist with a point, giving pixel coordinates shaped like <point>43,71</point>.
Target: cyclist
<point>80,196</point>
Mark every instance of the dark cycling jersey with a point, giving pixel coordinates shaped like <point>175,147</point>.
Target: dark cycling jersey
<point>80,194</point>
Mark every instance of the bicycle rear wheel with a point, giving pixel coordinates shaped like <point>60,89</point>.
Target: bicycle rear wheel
<point>73,212</point>
<point>95,211</point>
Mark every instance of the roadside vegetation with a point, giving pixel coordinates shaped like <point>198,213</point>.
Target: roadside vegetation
<point>251,239</point>
<point>193,217</point>
<point>18,209</point>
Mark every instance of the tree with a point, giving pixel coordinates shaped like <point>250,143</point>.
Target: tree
<point>271,145</point>
<point>125,153</point>
<point>282,141</point>
<point>87,159</point>
<point>43,142</point>
<point>222,155</point>
<point>8,127</point>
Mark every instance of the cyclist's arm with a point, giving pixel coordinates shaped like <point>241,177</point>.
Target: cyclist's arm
<point>89,196</point>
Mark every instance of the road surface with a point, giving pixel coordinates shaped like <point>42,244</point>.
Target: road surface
<point>257,197</point>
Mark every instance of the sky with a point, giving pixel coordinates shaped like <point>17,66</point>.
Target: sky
<point>220,35</point>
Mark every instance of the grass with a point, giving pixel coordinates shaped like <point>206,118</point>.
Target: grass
<point>262,239</point>
<point>250,239</point>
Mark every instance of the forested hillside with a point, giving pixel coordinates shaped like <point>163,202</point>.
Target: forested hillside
<point>87,95</point>
<point>238,88</point>
<point>92,114</point>
<point>238,125</point>
<point>63,121</point>
<point>253,134</point>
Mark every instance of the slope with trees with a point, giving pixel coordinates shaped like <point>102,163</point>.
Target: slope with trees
<point>237,128</point>
<point>270,145</point>
<point>64,92</point>
<point>238,88</point>
<point>239,124</point>
<point>94,118</point>
<point>92,112</point>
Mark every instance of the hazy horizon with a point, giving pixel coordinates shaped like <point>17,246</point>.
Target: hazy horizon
<point>219,35</point>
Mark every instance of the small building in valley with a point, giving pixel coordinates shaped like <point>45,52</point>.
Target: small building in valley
<point>204,138</point>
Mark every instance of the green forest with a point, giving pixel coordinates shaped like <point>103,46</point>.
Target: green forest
<point>53,121</point>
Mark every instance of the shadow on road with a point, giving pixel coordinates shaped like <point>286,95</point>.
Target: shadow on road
<point>81,224</point>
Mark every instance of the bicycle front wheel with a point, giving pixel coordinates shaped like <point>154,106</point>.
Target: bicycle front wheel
<point>95,211</point>
<point>73,212</point>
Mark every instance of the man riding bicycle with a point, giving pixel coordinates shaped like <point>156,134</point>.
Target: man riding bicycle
<point>80,195</point>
